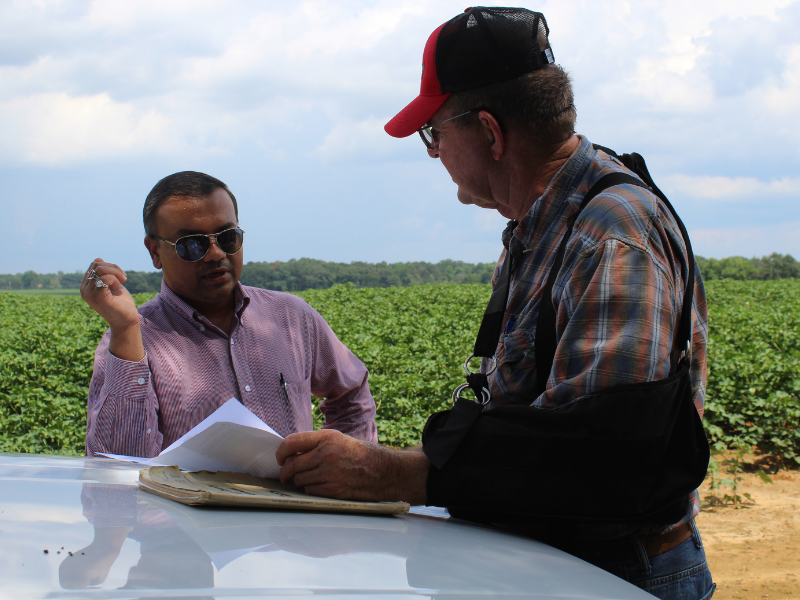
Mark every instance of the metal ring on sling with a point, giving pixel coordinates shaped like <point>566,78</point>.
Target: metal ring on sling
<point>485,394</point>
<point>489,372</point>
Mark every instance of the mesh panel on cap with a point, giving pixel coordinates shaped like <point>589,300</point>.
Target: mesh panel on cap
<point>488,45</point>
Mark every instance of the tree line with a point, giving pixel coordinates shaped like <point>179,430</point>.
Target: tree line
<point>292,276</point>
<point>308,273</point>
<point>774,266</point>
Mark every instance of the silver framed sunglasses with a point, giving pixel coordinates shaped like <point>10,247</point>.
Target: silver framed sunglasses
<point>430,136</point>
<point>192,248</point>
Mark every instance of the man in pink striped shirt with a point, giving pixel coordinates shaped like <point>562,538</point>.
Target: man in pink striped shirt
<point>160,370</point>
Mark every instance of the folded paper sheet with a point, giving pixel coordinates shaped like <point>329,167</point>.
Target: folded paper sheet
<point>231,439</point>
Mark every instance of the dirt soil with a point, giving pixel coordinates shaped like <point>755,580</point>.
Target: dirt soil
<point>754,551</point>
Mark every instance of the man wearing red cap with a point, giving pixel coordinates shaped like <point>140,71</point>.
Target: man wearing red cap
<point>597,322</point>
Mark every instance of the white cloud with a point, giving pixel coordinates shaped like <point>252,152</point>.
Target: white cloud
<point>107,80</point>
<point>57,129</point>
<point>211,67</point>
<point>712,85</point>
<point>731,188</point>
<point>276,94</point>
<point>783,99</point>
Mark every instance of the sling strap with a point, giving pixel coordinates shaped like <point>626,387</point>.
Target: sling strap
<point>635,162</point>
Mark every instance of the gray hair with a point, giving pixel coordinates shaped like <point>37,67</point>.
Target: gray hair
<point>540,104</point>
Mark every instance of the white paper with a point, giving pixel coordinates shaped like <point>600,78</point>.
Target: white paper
<point>438,512</point>
<point>230,439</point>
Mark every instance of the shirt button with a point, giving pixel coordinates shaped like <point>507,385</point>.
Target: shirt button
<point>202,328</point>
<point>141,380</point>
<point>247,388</point>
<point>232,342</point>
<point>149,430</point>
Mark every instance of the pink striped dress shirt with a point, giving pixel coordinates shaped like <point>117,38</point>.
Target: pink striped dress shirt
<point>192,367</point>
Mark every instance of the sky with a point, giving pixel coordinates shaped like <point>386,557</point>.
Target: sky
<point>286,102</point>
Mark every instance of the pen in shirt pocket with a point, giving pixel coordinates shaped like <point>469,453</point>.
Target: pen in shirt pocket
<point>285,390</point>
<point>510,324</point>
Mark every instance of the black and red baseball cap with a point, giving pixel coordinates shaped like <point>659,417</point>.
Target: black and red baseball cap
<point>483,45</point>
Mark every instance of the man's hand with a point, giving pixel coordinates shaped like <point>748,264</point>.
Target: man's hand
<point>115,304</point>
<point>332,464</point>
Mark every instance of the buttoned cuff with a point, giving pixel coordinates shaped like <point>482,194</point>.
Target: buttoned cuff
<point>127,379</point>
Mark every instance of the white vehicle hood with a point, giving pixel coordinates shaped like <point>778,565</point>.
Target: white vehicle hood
<point>80,528</point>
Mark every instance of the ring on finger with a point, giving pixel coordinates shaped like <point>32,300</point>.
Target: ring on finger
<point>97,281</point>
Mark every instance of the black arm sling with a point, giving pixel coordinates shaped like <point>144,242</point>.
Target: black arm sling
<point>628,454</point>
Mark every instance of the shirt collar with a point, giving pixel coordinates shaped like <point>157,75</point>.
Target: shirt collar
<point>550,204</point>
<point>241,302</point>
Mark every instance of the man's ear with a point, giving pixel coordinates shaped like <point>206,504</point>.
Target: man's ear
<point>494,133</point>
<point>153,249</point>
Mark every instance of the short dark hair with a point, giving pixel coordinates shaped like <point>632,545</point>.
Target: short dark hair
<point>186,183</point>
<point>540,103</point>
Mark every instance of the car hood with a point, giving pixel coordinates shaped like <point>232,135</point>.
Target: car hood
<point>80,528</point>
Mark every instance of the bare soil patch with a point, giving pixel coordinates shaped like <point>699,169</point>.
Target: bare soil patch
<point>754,551</point>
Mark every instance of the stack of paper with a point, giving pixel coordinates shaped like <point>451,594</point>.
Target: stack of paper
<point>231,439</point>
<point>237,489</point>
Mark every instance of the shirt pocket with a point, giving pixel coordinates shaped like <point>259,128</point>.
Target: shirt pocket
<point>513,347</point>
<point>299,416</point>
<point>515,378</point>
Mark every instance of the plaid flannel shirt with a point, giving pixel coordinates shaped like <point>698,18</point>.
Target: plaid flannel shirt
<point>618,295</point>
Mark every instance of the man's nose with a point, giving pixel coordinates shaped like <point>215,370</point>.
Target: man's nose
<point>214,253</point>
<point>434,152</point>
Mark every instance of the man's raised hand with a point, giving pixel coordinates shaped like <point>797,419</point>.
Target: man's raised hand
<point>115,304</point>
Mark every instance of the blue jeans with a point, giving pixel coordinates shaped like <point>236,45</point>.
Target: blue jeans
<point>678,574</point>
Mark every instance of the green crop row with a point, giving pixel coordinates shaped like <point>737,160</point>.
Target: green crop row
<point>753,392</point>
<point>46,353</point>
<point>414,341</point>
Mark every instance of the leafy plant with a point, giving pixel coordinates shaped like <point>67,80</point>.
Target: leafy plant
<point>727,473</point>
<point>413,340</point>
<point>753,392</point>
<point>46,355</point>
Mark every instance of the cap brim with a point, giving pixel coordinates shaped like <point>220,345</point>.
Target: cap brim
<point>415,115</point>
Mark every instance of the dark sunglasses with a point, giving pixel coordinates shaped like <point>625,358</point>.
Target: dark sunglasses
<point>192,248</point>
